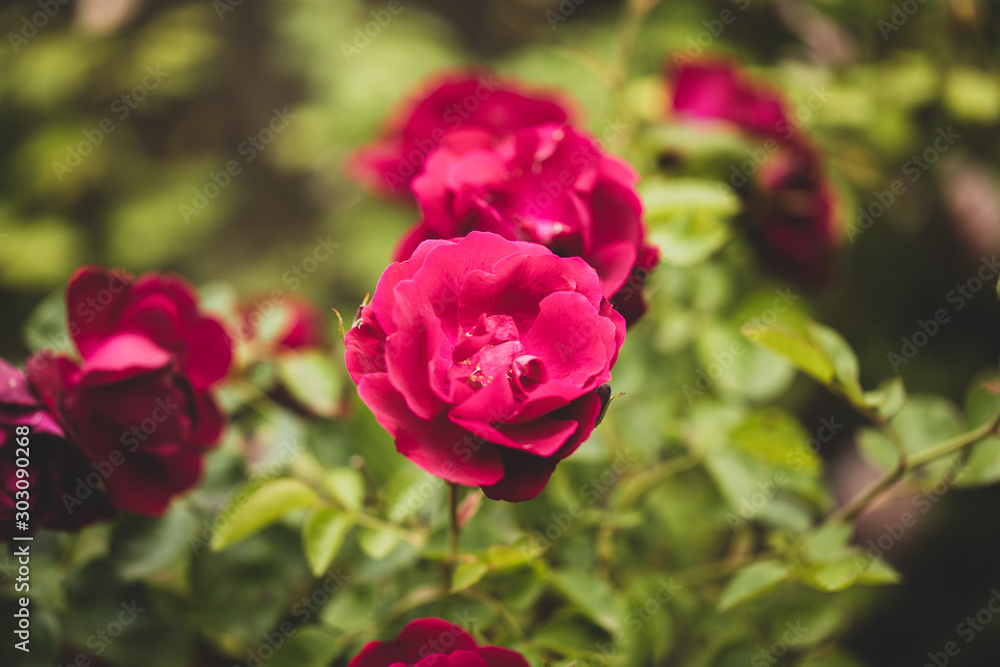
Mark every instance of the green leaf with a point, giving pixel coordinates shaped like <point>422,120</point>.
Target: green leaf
<point>856,569</point>
<point>257,506</point>
<point>347,485</point>
<point>972,95</point>
<point>142,546</point>
<point>982,466</point>
<point>982,399</point>
<point>377,543</point>
<point>774,436</point>
<point>468,573</point>
<point>503,557</point>
<point>827,544</point>
<point>752,581</point>
<point>688,218</point>
<point>322,535</point>
<point>310,646</point>
<point>46,326</point>
<point>661,199</point>
<point>312,379</point>
<point>795,346</point>
<point>407,490</point>
<point>845,362</point>
<point>889,398</point>
<point>593,597</point>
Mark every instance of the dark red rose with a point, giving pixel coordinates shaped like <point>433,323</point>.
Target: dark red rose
<point>549,184</point>
<point>460,107</point>
<point>138,404</point>
<point>432,642</point>
<point>722,91</point>
<point>789,203</point>
<point>30,433</point>
<point>792,216</point>
<point>483,358</point>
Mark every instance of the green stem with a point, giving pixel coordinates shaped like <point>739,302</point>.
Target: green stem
<point>628,33</point>
<point>956,443</point>
<point>453,527</point>
<point>905,464</point>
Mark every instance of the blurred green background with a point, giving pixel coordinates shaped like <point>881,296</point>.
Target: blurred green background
<point>118,119</point>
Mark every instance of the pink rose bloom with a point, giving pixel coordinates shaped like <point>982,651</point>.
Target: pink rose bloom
<point>483,357</point>
<point>549,184</point>
<point>473,106</point>
<point>432,642</point>
<point>722,91</point>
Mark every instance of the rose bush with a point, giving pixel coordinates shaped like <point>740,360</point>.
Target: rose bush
<point>483,356</point>
<point>458,108</point>
<point>138,403</point>
<point>54,467</point>
<point>432,642</point>
<point>550,184</point>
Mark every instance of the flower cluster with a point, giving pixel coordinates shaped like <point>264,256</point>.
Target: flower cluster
<point>124,427</point>
<point>484,347</point>
<point>791,206</point>
<point>479,154</point>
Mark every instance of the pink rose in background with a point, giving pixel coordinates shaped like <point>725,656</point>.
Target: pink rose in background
<point>29,431</point>
<point>462,107</point>
<point>291,322</point>
<point>138,404</point>
<point>794,223</point>
<point>549,184</point>
<point>722,91</point>
<point>483,357</point>
<point>432,642</point>
<point>789,203</point>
